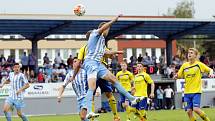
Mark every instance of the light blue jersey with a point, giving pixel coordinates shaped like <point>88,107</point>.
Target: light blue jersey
<point>79,84</point>
<point>96,46</point>
<point>17,81</point>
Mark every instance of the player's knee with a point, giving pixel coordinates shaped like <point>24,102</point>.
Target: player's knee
<point>196,109</point>
<point>5,110</point>
<point>189,112</point>
<point>92,83</point>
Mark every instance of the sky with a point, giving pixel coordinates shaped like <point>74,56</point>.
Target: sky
<point>204,9</point>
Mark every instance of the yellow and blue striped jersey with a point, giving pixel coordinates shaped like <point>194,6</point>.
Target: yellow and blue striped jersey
<point>141,82</point>
<point>125,79</point>
<point>192,73</point>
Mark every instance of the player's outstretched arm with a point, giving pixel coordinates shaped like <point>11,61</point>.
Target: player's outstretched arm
<point>61,91</point>
<point>108,24</point>
<point>152,94</point>
<point>110,54</point>
<point>5,82</point>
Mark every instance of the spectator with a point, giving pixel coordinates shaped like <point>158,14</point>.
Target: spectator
<point>202,57</point>
<point>147,60</point>
<point>154,58</point>
<point>31,63</point>
<point>62,72</point>
<point>24,62</point>
<point>160,94</point>
<point>170,71</point>
<point>58,60</point>
<point>48,73</point>
<point>168,97</point>
<point>40,77</point>
<point>162,63</point>
<point>46,60</point>
<point>55,73</point>
<point>4,74</point>
<point>70,61</point>
<point>2,60</point>
<point>140,58</point>
<point>10,61</point>
<point>114,65</point>
<point>32,77</point>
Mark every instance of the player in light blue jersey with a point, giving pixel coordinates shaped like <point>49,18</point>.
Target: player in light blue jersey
<point>80,87</point>
<point>95,69</point>
<point>18,83</point>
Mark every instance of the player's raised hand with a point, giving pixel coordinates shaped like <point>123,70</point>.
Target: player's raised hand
<point>117,17</point>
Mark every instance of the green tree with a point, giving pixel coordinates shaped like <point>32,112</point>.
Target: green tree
<point>185,9</point>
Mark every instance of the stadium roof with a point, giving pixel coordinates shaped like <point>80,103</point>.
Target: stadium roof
<point>36,27</point>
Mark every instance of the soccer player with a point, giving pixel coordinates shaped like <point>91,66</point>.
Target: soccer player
<point>79,85</point>
<point>125,78</point>
<point>141,82</point>
<point>94,68</point>
<point>104,85</point>
<point>18,83</point>
<point>192,71</point>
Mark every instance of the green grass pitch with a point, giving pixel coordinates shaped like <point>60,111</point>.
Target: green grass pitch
<point>163,115</point>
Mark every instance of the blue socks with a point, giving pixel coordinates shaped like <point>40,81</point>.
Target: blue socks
<point>24,118</point>
<point>89,98</point>
<point>8,116</point>
<point>123,91</point>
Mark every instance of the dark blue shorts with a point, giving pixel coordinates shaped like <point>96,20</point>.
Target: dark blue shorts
<point>104,85</point>
<point>142,105</point>
<point>192,100</point>
<point>123,98</point>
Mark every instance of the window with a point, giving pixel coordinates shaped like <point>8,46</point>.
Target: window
<point>39,54</point>
<point>153,52</point>
<point>49,53</point>
<point>134,51</point>
<point>162,51</point>
<point>1,52</point>
<point>74,52</point>
<point>21,51</point>
<point>124,52</point>
<point>56,52</point>
<point>65,53</point>
<point>12,52</point>
<point>143,52</point>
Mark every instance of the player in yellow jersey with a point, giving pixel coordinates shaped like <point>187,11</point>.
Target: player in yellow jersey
<point>125,78</point>
<point>104,85</point>
<point>141,82</point>
<point>192,71</point>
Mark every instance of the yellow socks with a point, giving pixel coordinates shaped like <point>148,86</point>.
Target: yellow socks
<point>193,119</point>
<point>204,117</point>
<point>142,115</point>
<point>112,103</point>
<point>128,111</point>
